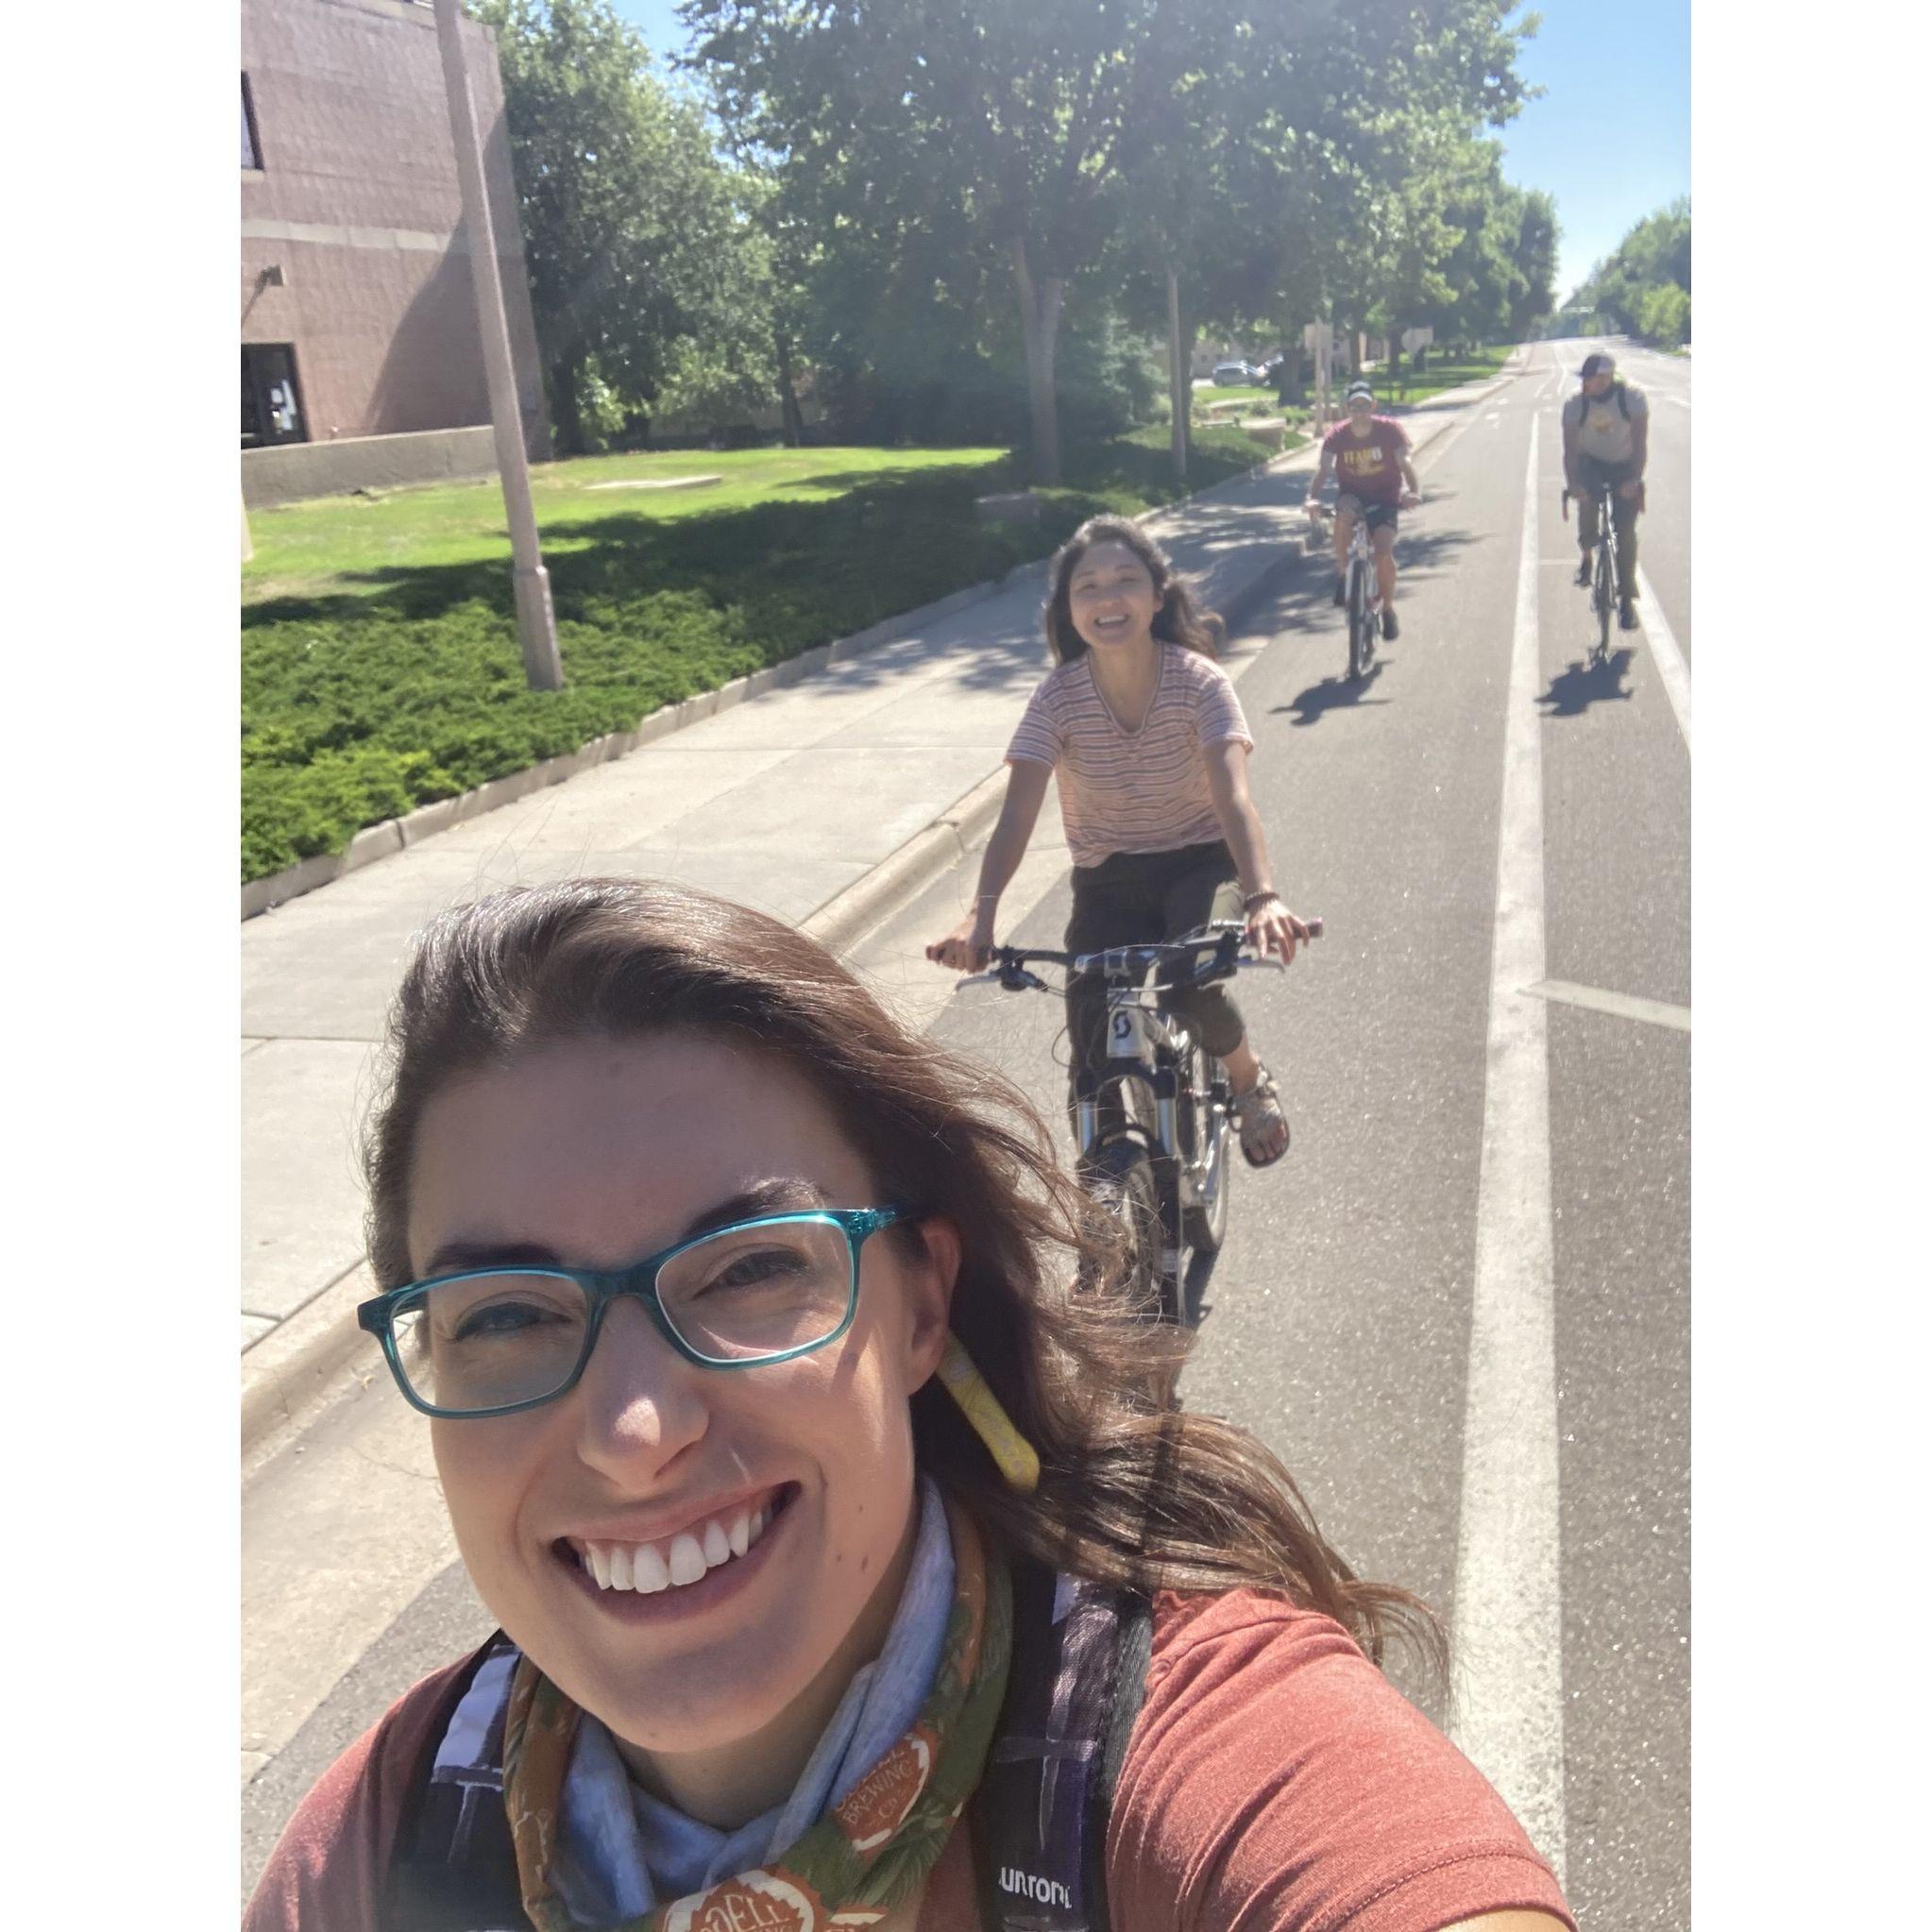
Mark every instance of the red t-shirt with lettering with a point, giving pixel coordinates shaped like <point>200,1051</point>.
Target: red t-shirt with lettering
<point>1274,1782</point>
<point>1368,467</point>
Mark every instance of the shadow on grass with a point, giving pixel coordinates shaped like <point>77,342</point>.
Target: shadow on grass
<point>887,542</point>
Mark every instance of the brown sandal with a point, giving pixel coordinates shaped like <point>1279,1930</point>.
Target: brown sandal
<point>1255,1113</point>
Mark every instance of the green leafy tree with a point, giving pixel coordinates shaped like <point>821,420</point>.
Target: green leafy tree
<point>1002,126</point>
<point>1534,254</point>
<point>1665,315</point>
<point>645,268</point>
<point>1653,256</point>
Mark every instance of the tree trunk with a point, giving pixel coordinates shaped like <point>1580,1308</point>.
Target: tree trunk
<point>1288,391</point>
<point>1040,307</point>
<point>788,392</point>
<point>565,373</point>
<point>1180,388</point>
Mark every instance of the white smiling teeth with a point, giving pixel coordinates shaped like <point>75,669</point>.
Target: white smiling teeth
<point>650,1574</point>
<point>648,1568</point>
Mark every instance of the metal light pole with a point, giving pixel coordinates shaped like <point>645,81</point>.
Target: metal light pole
<point>537,622</point>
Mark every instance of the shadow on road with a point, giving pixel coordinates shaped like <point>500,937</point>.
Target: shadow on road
<point>1335,694</point>
<point>1572,691</point>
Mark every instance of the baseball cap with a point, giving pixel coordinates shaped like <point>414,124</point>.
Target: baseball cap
<point>1358,388</point>
<point>1597,363</point>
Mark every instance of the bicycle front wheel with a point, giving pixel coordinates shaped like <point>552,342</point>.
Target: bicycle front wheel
<point>1360,622</point>
<point>1601,595</point>
<point>1119,1173</point>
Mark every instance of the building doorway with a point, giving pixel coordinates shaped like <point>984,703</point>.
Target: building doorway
<point>271,404</point>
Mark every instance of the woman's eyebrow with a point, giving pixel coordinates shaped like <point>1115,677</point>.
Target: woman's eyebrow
<point>780,1195</point>
<point>458,1257</point>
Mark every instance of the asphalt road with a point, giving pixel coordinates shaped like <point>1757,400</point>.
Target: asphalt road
<point>1379,1314</point>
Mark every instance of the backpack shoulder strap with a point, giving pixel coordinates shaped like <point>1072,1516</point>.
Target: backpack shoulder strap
<point>1078,1676</point>
<point>455,1868</point>
<point>1622,399</point>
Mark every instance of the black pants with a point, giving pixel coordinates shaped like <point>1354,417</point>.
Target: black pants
<point>1134,898</point>
<point>1592,474</point>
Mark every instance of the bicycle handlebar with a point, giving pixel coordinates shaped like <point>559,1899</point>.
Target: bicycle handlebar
<point>1010,963</point>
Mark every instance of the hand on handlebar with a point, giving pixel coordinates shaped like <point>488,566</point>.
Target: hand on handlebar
<point>1271,928</point>
<point>965,949</point>
<point>1408,501</point>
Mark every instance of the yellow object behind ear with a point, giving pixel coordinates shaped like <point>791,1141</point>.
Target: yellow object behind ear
<point>1018,1460</point>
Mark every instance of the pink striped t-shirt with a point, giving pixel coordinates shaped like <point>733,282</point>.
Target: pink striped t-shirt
<point>1145,791</point>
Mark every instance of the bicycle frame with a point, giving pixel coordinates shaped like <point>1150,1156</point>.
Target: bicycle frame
<point>1146,1064</point>
<point>1364,610</point>
<point>1606,586</point>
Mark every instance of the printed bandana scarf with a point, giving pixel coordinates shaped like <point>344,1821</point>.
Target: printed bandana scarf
<point>862,1858</point>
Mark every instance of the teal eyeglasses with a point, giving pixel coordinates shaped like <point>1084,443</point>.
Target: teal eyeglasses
<point>492,1341</point>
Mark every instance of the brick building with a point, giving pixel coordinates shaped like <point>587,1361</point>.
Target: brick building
<point>361,358</point>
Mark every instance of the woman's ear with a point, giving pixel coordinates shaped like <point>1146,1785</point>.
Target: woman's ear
<point>930,1281</point>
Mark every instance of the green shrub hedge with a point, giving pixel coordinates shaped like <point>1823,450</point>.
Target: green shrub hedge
<point>360,708</point>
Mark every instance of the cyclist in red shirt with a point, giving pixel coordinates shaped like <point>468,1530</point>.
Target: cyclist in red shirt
<point>1368,456</point>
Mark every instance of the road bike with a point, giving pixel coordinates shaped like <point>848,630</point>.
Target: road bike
<point>1363,596</point>
<point>1605,586</point>
<point>1155,1127</point>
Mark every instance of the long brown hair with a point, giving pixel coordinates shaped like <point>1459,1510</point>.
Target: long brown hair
<point>1177,620</point>
<point>1128,1494</point>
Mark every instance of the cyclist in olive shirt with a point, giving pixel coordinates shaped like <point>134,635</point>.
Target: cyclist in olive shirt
<point>1606,435</point>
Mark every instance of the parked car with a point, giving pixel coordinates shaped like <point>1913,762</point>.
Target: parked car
<point>1235,375</point>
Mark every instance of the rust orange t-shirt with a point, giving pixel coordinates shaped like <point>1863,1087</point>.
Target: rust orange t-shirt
<point>1274,1782</point>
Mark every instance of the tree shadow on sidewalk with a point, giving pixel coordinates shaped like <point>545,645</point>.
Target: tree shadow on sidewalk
<point>1573,690</point>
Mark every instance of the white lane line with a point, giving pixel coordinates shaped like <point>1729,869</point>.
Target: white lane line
<point>1672,672</point>
<point>1506,1647</point>
<point>1626,1005</point>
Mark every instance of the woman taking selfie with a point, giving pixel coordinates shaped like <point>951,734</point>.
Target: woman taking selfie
<point>843,1579</point>
<point>1146,738</point>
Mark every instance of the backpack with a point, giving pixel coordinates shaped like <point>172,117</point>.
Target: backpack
<point>1039,1817</point>
<point>1615,389</point>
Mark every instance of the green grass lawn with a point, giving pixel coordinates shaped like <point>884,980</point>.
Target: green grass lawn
<point>379,660</point>
<point>355,544</point>
<point>1479,365</point>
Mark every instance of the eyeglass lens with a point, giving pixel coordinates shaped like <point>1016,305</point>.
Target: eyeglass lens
<point>486,1341</point>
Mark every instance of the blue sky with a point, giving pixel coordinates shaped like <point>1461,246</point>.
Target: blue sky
<point>1610,139</point>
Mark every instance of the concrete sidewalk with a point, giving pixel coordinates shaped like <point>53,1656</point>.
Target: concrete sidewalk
<point>825,801</point>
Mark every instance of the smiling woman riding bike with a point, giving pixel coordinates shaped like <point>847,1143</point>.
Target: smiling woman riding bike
<point>765,1421</point>
<point>1143,731</point>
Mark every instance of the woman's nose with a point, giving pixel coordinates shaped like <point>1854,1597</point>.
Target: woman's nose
<point>643,1404</point>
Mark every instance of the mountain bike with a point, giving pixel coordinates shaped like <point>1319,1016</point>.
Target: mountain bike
<point>1604,586</point>
<point>1364,595</point>
<point>1154,1128</point>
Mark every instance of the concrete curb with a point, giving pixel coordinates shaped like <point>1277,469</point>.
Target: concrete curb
<point>393,835</point>
<point>291,1371</point>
